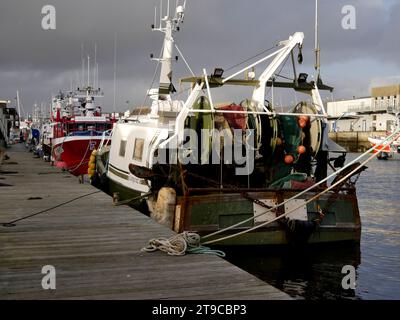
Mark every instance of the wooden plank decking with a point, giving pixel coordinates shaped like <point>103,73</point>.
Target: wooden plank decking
<point>95,246</point>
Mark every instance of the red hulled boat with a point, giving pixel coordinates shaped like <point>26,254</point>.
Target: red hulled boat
<point>76,133</point>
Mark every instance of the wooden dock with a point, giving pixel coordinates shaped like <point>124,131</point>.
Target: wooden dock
<point>94,246</point>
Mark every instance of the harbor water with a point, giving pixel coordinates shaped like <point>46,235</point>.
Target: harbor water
<point>316,272</point>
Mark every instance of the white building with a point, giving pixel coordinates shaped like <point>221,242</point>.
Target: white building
<point>375,113</point>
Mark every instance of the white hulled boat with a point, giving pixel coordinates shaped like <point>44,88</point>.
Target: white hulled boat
<point>389,151</point>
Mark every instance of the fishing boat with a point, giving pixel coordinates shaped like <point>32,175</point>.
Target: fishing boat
<point>46,137</point>
<point>78,129</point>
<point>242,169</point>
<point>387,151</point>
<point>60,111</point>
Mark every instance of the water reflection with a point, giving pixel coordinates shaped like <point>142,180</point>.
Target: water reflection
<point>303,273</point>
<point>315,273</point>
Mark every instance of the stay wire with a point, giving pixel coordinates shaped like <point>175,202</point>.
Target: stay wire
<point>249,59</point>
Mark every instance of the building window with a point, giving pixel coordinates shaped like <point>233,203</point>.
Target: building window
<point>122,148</point>
<point>364,125</point>
<point>138,149</point>
<point>374,117</point>
<point>391,101</point>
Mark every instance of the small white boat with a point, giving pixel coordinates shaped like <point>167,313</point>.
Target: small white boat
<point>389,151</point>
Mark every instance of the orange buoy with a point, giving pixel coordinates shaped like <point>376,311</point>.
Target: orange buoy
<point>305,118</point>
<point>289,159</point>
<point>301,149</point>
<point>302,123</point>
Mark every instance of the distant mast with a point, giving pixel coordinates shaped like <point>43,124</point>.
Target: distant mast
<point>95,67</point>
<point>18,106</point>
<point>88,71</point>
<point>83,67</point>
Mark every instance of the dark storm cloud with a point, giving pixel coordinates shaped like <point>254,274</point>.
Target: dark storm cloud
<point>215,33</point>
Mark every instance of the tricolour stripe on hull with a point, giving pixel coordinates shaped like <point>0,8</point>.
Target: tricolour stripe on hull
<point>126,179</point>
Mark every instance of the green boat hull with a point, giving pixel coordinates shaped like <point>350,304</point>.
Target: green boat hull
<point>209,213</point>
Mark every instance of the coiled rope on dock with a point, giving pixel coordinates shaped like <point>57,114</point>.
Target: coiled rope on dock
<point>180,244</point>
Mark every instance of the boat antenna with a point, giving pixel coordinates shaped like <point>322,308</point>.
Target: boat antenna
<point>88,68</point>
<point>161,11</point>
<point>167,8</point>
<point>95,67</point>
<point>97,75</point>
<point>317,49</point>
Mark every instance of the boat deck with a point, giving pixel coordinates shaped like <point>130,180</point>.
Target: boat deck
<point>95,246</point>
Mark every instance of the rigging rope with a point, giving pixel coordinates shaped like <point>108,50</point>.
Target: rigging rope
<point>304,191</point>
<point>251,58</point>
<point>190,242</point>
<point>302,204</point>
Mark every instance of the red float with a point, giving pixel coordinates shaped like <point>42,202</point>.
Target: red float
<point>289,159</point>
<point>301,149</point>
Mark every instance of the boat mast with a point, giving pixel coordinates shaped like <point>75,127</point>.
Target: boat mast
<point>18,106</point>
<point>170,25</point>
<point>115,70</point>
<point>316,97</point>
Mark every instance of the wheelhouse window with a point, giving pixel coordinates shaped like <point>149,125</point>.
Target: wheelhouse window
<point>122,148</point>
<point>138,149</point>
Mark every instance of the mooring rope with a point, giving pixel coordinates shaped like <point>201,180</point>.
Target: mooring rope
<point>306,202</point>
<point>12,223</point>
<point>130,200</point>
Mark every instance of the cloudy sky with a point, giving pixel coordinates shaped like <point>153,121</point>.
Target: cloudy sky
<point>215,33</point>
